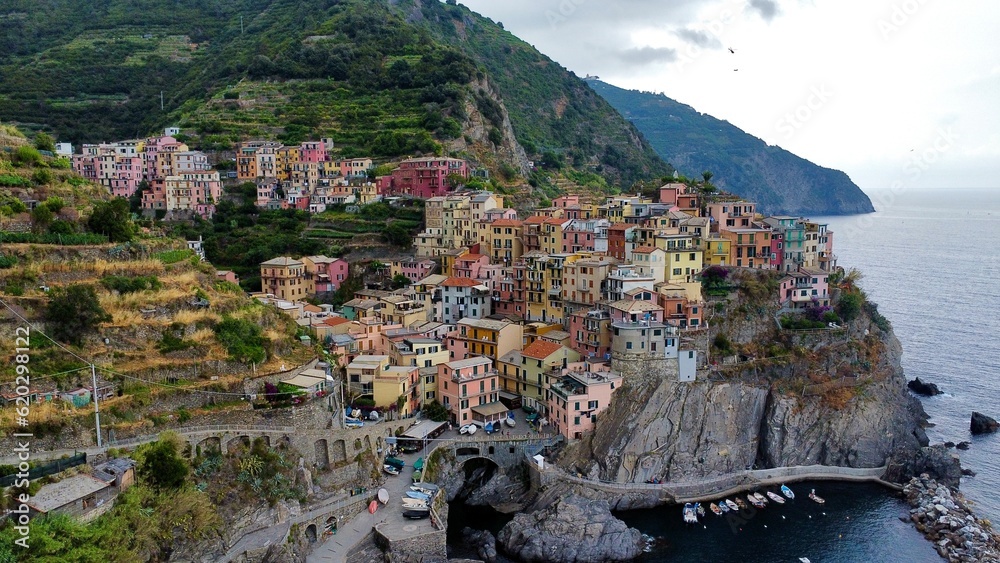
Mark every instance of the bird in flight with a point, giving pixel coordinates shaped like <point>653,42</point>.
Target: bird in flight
<point>731,50</point>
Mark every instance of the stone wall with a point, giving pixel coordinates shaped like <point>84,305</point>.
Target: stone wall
<point>429,546</point>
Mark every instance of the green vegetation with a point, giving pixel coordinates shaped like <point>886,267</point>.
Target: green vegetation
<point>112,219</point>
<point>163,467</point>
<point>435,411</point>
<point>73,312</point>
<point>354,70</point>
<point>131,284</point>
<point>243,339</point>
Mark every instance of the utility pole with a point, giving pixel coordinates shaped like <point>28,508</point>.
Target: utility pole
<point>97,410</point>
<point>241,25</point>
<point>161,100</point>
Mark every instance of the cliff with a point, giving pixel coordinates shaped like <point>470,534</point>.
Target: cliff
<point>831,398</point>
<point>779,181</point>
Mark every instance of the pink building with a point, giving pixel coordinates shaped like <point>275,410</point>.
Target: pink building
<point>355,167</point>
<point>228,276</point>
<point>325,274</point>
<point>423,177</point>
<point>575,399</point>
<point>577,238</point>
<point>469,265</point>
<point>470,390</point>
<point>590,333</point>
<point>670,193</point>
<point>777,249</point>
<point>804,288</point>
<point>127,175</point>
<point>414,270</point>
<point>312,151</point>
<point>731,214</point>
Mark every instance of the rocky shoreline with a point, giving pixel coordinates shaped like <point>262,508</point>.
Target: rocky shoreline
<point>945,518</point>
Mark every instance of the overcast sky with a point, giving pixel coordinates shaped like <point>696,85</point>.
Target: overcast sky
<point>903,92</point>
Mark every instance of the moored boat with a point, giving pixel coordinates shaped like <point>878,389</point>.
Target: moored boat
<point>775,497</point>
<point>690,514</point>
<point>416,514</point>
<point>715,509</point>
<point>418,496</point>
<point>787,492</point>
<point>699,509</point>
<point>413,503</point>
<point>754,501</point>
<point>510,421</point>
<point>761,498</point>
<point>816,498</point>
<point>391,470</point>
<point>732,505</point>
<point>740,503</point>
<point>419,464</point>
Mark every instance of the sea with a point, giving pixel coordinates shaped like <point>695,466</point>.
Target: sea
<point>931,260</point>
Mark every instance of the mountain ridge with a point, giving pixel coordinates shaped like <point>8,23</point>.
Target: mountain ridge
<point>779,181</point>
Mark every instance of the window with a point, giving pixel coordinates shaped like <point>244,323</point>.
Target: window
<point>591,404</point>
<point>628,345</point>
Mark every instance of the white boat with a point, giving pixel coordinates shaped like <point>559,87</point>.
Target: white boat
<point>510,421</point>
<point>761,498</point>
<point>787,492</point>
<point>690,514</point>
<point>816,498</point>
<point>413,503</point>
<point>391,470</point>
<point>755,501</point>
<point>715,509</point>
<point>723,506</point>
<point>422,490</point>
<point>383,496</point>
<point>732,505</point>
<point>776,498</point>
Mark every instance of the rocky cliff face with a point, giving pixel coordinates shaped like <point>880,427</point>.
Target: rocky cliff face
<point>832,400</point>
<point>487,132</point>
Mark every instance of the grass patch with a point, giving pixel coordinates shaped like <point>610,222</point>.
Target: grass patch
<point>173,256</point>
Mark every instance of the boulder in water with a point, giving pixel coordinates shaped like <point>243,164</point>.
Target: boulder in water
<point>484,543</point>
<point>573,529</point>
<point>982,424</point>
<point>963,445</point>
<point>923,388</point>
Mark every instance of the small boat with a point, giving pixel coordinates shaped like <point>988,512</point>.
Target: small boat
<point>690,514</point>
<point>775,497</point>
<point>356,413</point>
<point>700,509</point>
<point>373,506</point>
<point>391,470</point>
<point>419,489</point>
<point>489,428</point>
<point>723,506</point>
<point>754,501</point>
<point>510,421</point>
<point>804,560</point>
<point>761,498</point>
<point>419,464</point>
<point>416,514</point>
<point>816,498</point>
<point>732,505</point>
<point>787,492</point>
<point>470,429</point>
<point>383,496</point>
<point>715,509</point>
<point>395,462</point>
<point>418,496</point>
<point>417,476</point>
<point>740,503</point>
<point>413,503</point>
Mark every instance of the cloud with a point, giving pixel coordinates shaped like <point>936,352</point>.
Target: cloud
<point>767,9</point>
<point>647,55</point>
<point>699,38</point>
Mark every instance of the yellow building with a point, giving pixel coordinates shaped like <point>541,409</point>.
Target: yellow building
<point>403,310</point>
<point>717,251</point>
<point>527,373</point>
<point>684,259</point>
<point>551,235</point>
<point>418,352</point>
<point>554,310</point>
<point>283,277</point>
<point>484,337</point>
<point>397,386</point>
<point>361,372</point>
<point>505,241</point>
<point>285,157</point>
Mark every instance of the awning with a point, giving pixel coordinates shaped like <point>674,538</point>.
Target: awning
<point>490,410</point>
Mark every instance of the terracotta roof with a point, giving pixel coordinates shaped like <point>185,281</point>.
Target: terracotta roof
<point>536,219</point>
<point>470,257</point>
<point>310,308</point>
<point>335,321</point>
<point>644,250</point>
<point>460,282</point>
<point>620,227</point>
<point>541,349</point>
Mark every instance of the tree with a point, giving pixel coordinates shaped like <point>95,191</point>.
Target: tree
<point>135,200</point>
<point>114,219</point>
<point>45,142</point>
<point>74,311</point>
<point>41,218</point>
<point>399,280</point>
<point>398,236</point>
<point>435,411</point>
<point>162,466</point>
<point>849,305</point>
<point>707,175</point>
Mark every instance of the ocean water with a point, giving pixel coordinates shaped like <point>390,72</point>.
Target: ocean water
<point>931,260</point>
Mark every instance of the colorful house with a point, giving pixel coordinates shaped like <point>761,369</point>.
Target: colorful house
<point>470,390</point>
<point>577,397</point>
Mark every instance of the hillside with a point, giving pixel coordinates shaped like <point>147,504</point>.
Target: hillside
<point>383,78</point>
<point>693,142</point>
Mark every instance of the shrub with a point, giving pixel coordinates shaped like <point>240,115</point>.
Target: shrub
<point>27,156</point>
<point>124,284</point>
<point>113,219</point>
<point>15,181</point>
<point>849,305</point>
<point>243,339</point>
<point>74,311</point>
<point>42,177</point>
